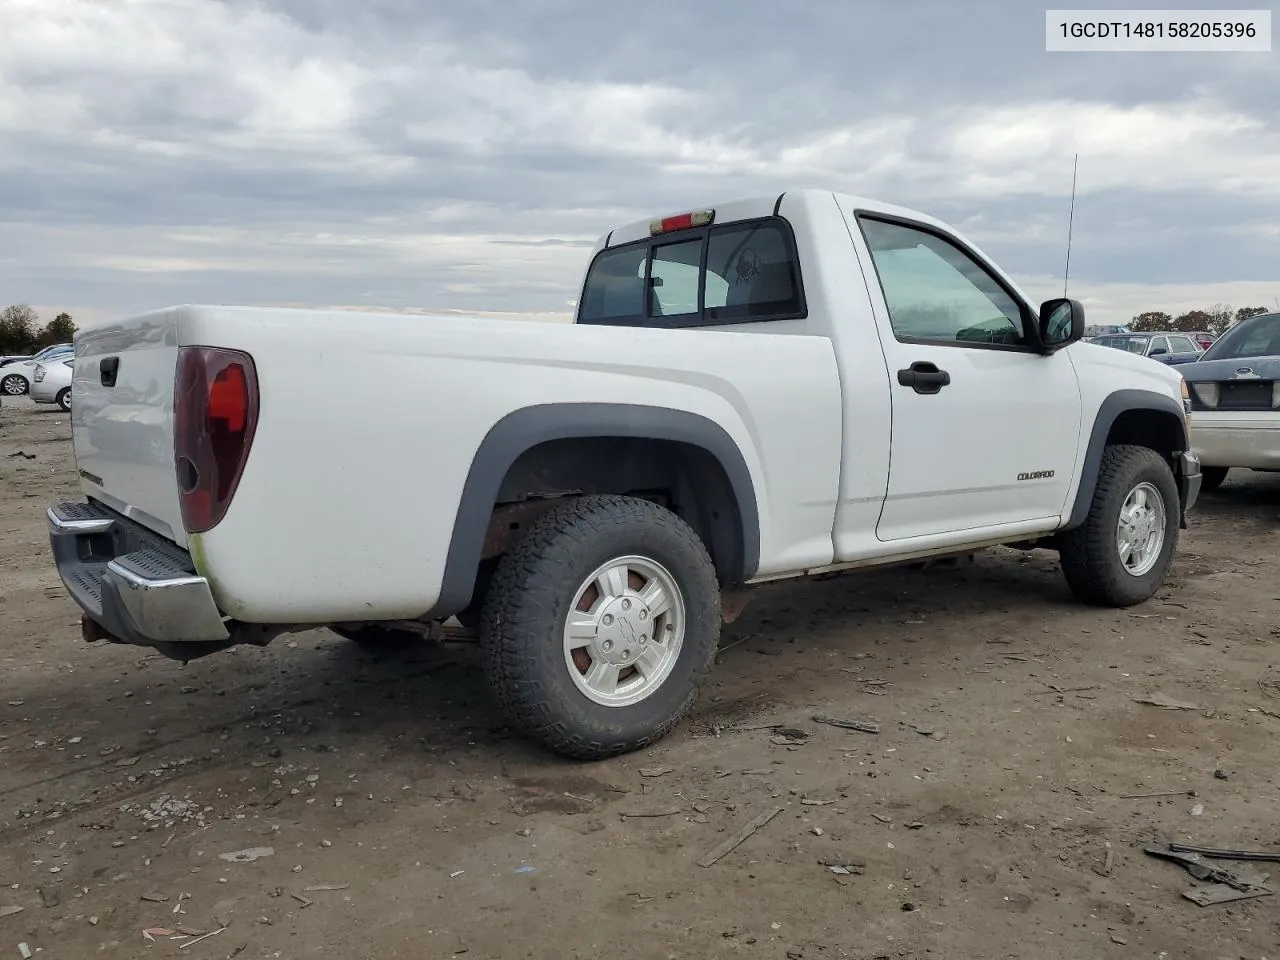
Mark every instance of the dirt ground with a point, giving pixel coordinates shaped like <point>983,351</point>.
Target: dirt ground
<point>406,822</point>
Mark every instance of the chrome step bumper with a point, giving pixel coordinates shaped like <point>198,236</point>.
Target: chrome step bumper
<point>135,585</point>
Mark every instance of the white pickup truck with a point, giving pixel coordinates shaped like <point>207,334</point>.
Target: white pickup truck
<point>764,389</point>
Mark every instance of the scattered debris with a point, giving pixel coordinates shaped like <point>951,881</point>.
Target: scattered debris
<point>861,726</point>
<point>842,864</point>
<point>915,825</point>
<point>818,831</point>
<point>321,887</point>
<point>1197,810</point>
<point>25,951</point>
<point>882,818</point>
<point>652,772</point>
<point>1222,885</point>
<point>214,933</point>
<point>50,897</point>
<point>10,911</point>
<point>740,837</point>
<point>1215,893</point>
<point>248,855</point>
<point>817,803</point>
<point>1213,853</point>
<point>1108,862</point>
<point>23,454</point>
<point>152,932</point>
<point>1162,793</point>
<point>456,874</point>
<point>1165,701</point>
<point>1220,774</point>
<point>155,898</point>
<point>302,900</point>
<point>1116,938</point>
<point>641,814</point>
<point>127,761</point>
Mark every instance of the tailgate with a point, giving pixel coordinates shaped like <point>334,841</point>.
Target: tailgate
<point>122,419</point>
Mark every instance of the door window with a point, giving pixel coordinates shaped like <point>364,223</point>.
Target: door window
<point>937,292</point>
<point>1182,345</point>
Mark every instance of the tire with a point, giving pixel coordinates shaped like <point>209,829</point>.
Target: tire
<point>1091,554</point>
<point>1211,478</point>
<point>14,385</point>
<point>64,399</point>
<point>552,686</point>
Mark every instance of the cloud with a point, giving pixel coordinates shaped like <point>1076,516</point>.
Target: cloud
<point>311,151</point>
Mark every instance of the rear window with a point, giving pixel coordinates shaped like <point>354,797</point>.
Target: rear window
<point>736,273</point>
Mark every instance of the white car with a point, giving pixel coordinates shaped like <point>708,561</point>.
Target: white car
<point>51,382</point>
<point>1235,400</point>
<point>15,378</point>
<point>767,389</point>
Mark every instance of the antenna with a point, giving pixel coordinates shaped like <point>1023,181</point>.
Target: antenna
<point>1071,218</point>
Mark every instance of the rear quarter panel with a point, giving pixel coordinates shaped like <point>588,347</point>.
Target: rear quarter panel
<point>348,500</point>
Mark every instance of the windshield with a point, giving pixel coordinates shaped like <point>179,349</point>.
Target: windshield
<point>1255,337</point>
<point>51,351</point>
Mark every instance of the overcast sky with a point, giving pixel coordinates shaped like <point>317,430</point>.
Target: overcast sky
<point>401,154</point>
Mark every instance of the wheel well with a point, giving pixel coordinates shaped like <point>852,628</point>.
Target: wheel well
<point>683,477</point>
<point>1157,429</point>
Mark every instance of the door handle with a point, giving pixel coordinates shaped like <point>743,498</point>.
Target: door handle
<point>107,371</point>
<point>924,377</point>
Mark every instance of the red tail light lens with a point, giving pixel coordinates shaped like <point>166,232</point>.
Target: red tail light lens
<point>215,413</point>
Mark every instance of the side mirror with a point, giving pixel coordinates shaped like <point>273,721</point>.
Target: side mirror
<point>1061,323</point>
<point>1158,352</point>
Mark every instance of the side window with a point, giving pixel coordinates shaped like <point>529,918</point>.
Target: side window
<point>615,286</point>
<point>935,291</point>
<point>750,273</point>
<point>1183,345</point>
<point>1158,345</point>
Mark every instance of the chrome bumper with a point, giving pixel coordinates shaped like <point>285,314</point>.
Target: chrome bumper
<point>136,586</point>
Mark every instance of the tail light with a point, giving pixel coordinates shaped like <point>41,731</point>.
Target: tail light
<point>215,413</point>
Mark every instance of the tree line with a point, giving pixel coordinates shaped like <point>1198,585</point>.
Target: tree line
<point>1215,320</point>
<point>22,333</point>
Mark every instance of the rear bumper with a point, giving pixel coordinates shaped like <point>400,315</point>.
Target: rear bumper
<point>136,586</point>
<point>1244,442</point>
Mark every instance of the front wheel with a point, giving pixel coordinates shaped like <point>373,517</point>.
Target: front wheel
<point>64,399</point>
<point>601,625</point>
<point>1120,555</point>
<point>14,385</point>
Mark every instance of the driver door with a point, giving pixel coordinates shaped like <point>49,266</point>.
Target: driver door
<point>985,428</point>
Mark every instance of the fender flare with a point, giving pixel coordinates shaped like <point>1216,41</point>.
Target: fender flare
<point>1122,401</point>
<point>523,429</point>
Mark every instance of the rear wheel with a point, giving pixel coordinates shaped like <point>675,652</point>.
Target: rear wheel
<point>64,398</point>
<point>600,626</point>
<point>14,385</point>
<point>1120,555</point>
<point>1211,478</point>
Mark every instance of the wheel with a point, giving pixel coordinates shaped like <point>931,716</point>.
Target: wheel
<point>600,626</point>
<point>64,398</point>
<point>15,385</point>
<point>1121,553</point>
<point>1211,478</point>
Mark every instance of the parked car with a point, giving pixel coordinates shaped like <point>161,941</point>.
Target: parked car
<point>51,382</point>
<point>1171,348</point>
<point>594,497</point>
<point>13,358</point>
<point>1204,340</point>
<point>15,379</point>
<point>1235,400</point>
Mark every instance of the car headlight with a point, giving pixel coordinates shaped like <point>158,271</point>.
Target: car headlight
<point>39,374</point>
